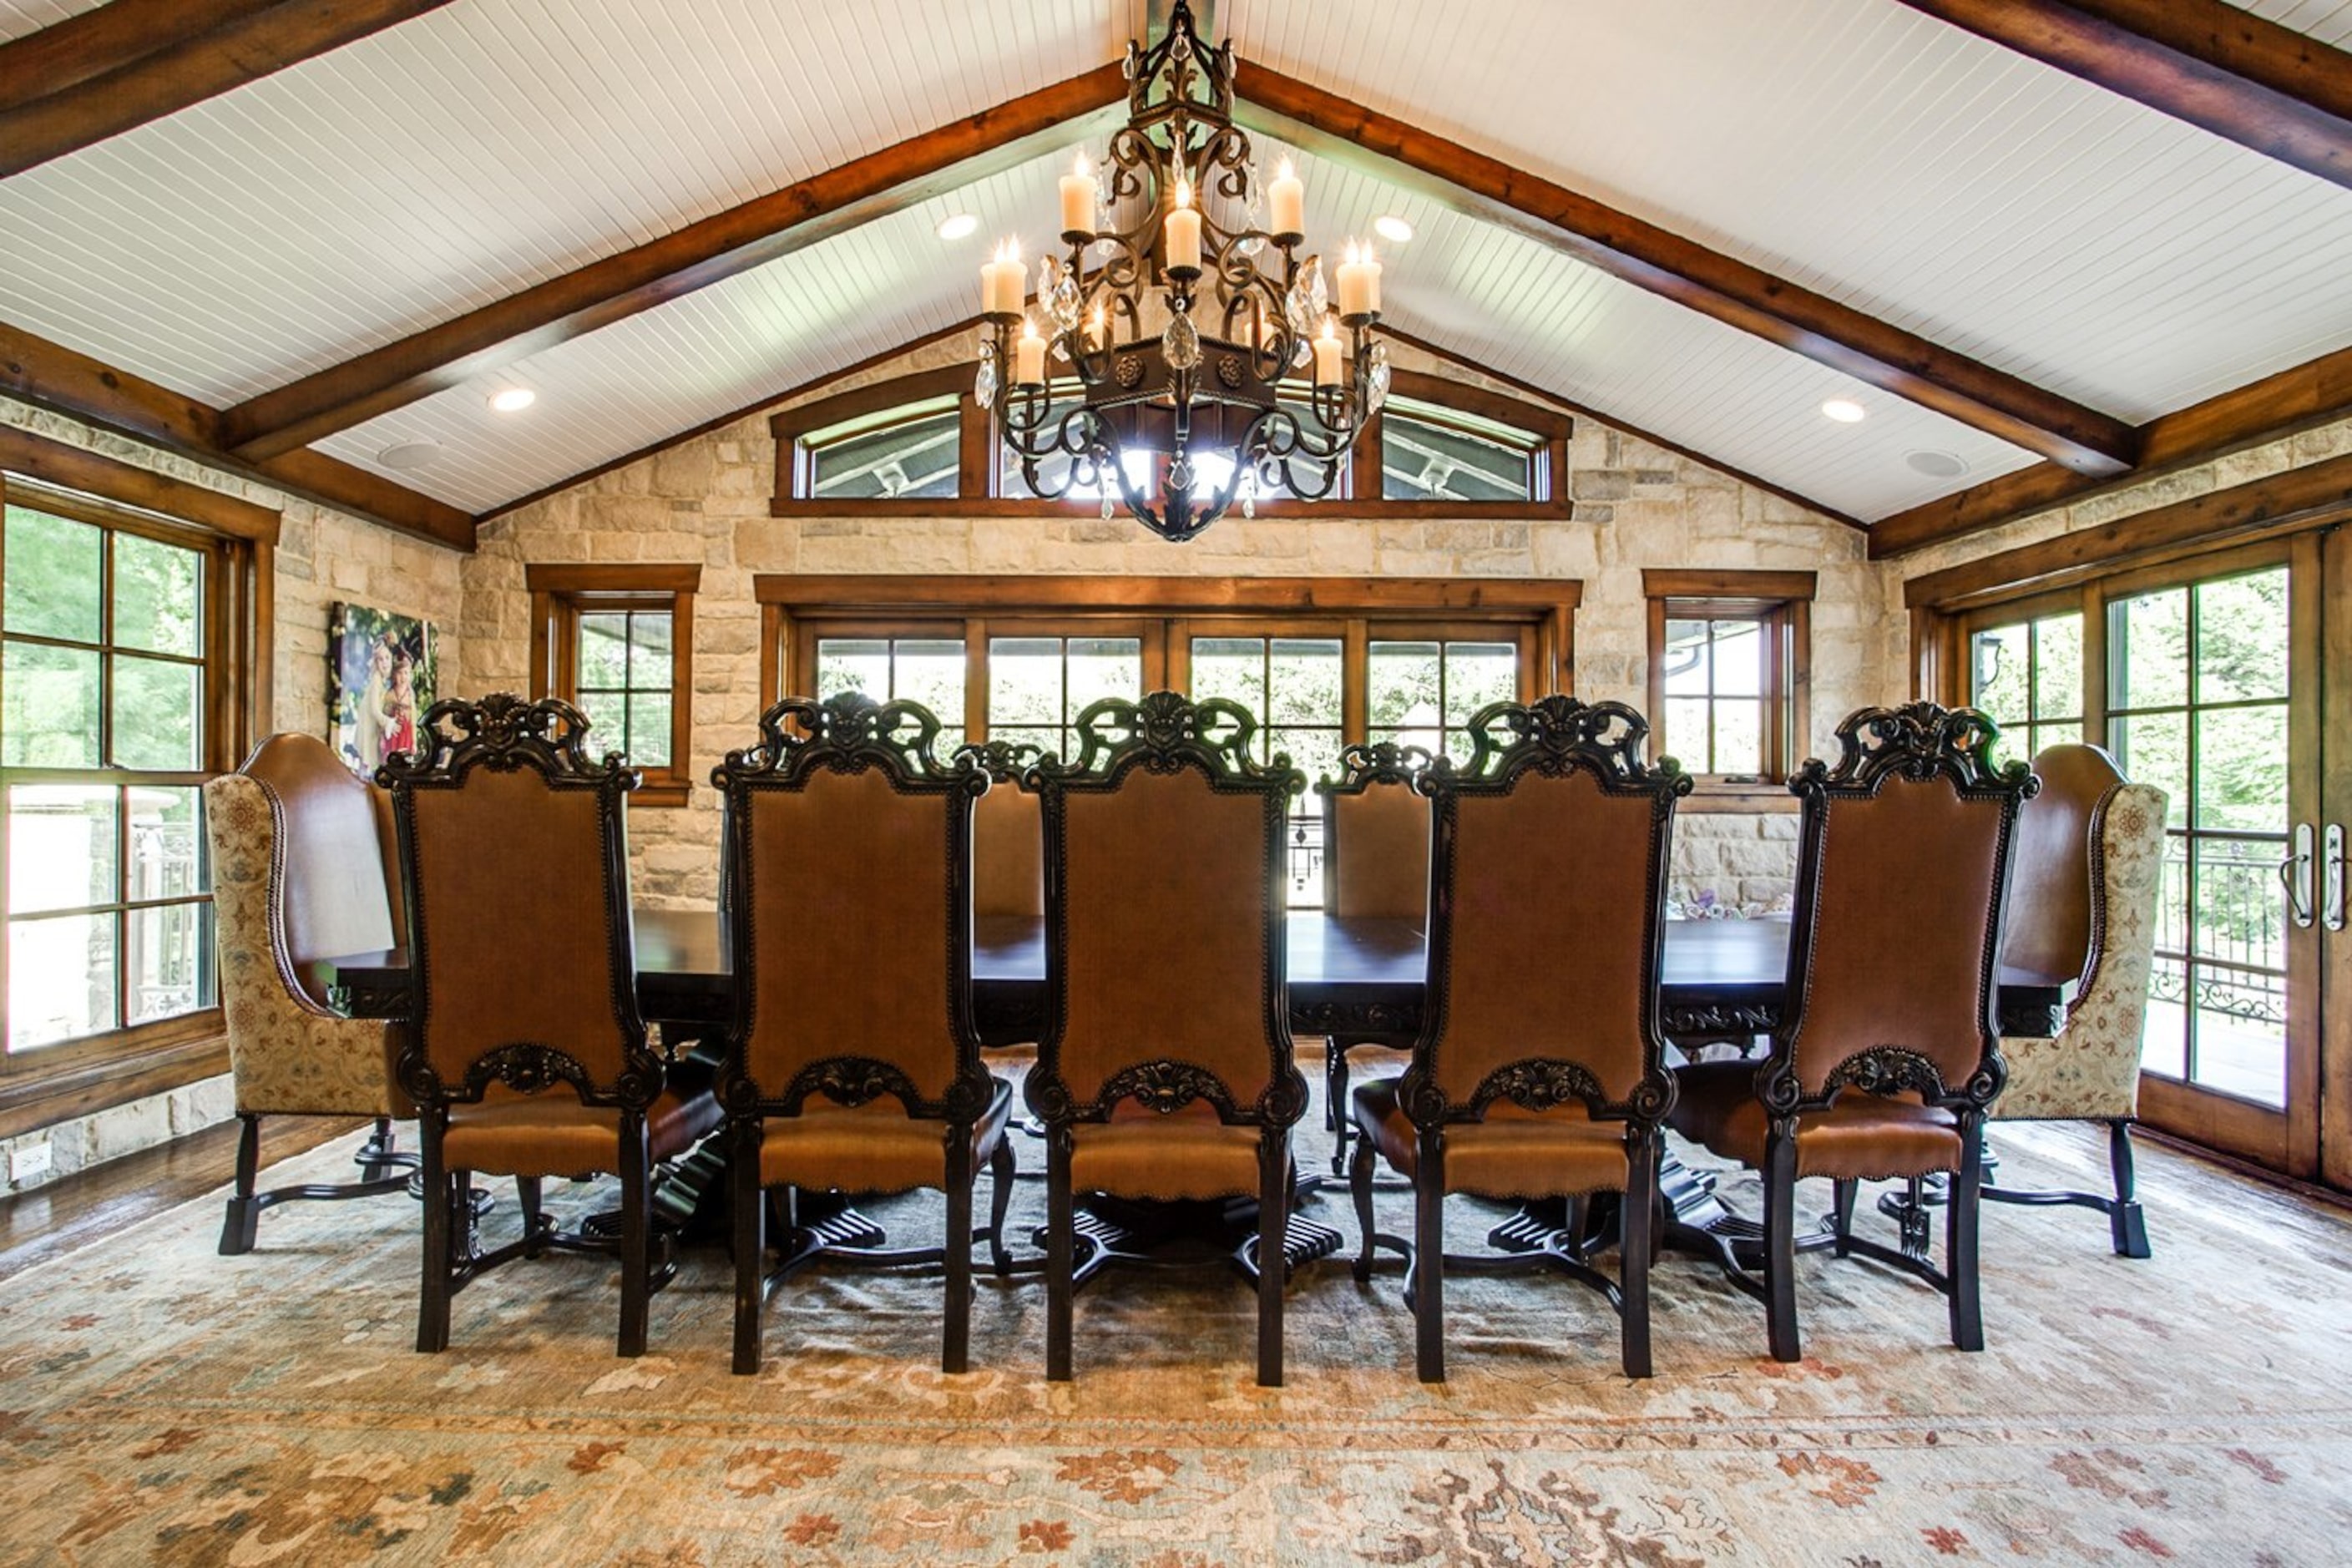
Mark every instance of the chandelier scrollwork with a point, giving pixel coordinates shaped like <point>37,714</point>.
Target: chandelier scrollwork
<point>1184,330</point>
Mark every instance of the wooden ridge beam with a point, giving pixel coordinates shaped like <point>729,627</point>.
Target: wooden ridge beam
<point>2265,86</point>
<point>717,247</point>
<point>2294,399</point>
<point>112,69</point>
<point>1691,275</point>
<point>50,376</point>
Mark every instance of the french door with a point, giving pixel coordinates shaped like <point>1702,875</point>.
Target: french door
<point>2220,680</point>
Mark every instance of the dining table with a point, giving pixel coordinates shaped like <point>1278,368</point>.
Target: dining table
<point>1355,977</point>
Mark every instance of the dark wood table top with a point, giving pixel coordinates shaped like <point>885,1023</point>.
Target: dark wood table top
<point>1354,974</point>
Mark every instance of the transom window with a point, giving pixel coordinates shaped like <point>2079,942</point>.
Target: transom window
<point>110,673</point>
<point>912,450</point>
<point>1431,452</point>
<point>617,643</point>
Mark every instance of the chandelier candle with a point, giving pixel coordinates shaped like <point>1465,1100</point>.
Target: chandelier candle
<point>1286,196</point>
<point>1029,357</point>
<point>1326,356</point>
<point>1359,282</point>
<point>1003,282</point>
<point>1078,202</point>
<point>1184,237</point>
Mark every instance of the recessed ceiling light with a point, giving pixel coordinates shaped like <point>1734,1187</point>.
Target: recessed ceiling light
<point>1939,464</point>
<point>1845,411</point>
<point>513,399</point>
<point>961,225</point>
<point>407,455</point>
<point>1392,228</point>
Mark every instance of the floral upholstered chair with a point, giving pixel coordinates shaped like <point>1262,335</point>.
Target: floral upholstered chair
<point>301,872</point>
<point>2090,860</point>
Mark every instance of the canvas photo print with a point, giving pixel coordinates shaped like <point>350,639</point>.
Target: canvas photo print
<point>380,679</point>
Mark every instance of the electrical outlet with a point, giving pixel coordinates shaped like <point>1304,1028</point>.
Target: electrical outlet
<point>27,1161</point>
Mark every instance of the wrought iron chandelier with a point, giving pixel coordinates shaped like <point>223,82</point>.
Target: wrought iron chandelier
<point>1183,332</point>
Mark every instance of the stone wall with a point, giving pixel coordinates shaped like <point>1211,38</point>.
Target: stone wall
<point>1637,506</point>
<point>323,555</point>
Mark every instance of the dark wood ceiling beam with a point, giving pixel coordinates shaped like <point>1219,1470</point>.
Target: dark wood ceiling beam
<point>2313,393</point>
<point>1691,275</point>
<point>677,264</point>
<point>109,70</point>
<point>53,376</point>
<point>2264,86</point>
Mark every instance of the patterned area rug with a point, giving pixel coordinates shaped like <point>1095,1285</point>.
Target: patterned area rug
<point>161,1404</point>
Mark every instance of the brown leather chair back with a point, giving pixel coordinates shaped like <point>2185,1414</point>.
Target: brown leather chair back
<point>1376,835</point>
<point>1165,949</point>
<point>1008,853</point>
<point>2050,896</point>
<point>1547,906</point>
<point>850,865</point>
<point>1903,865</point>
<point>338,863</point>
<point>514,864</point>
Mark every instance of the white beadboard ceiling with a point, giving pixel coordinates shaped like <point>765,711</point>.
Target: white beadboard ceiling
<point>1993,205</point>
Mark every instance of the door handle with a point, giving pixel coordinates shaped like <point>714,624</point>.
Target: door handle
<point>2294,875</point>
<point>2332,908</point>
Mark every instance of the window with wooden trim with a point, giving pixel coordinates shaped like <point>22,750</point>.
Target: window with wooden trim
<point>2025,671</point>
<point>1728,675</point>
<point>919,444</point>
<point>1321,663</point>
<point>125,683</point>
<point>617,643</point>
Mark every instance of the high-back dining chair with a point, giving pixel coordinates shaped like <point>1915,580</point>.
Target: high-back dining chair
<point>1165,1069</point>
<point>852,1063</point>
<point>527,1054</point>
<point>1885,1061</point>
<point>1539,1071</point>
<point>303,869</point>
<point>2083,900</point>
<point>1375,865</point>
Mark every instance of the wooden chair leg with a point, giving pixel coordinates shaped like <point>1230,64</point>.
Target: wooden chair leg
<point>2127,1222</point>
<point>1273,1257</point>
<point>241,1226</point>
<point>1638,1213</point>
<point>1780,1243</point>
<point>374,1153</point>
<point>528,1193</point>
<point>1335,1101</point>
<point>1061,1249</point>
<point>636,1244</point>
<point>1962,1205</point>
<point>1429,1259</point>
<point>1842,1212</point>
<point>1002,1169</point>
<point>955,1348</point>
<point>751,1242</point>
<point>1360,1186</point>
<point>439,1248</point>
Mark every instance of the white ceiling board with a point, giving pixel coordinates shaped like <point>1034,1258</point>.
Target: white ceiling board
<point>1897,164</point>
<point>18,17</point>
<point>455,159</point>
<point>2330,21</point>
<point>709,353</point>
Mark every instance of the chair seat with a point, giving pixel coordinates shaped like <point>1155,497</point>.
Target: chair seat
<point>871,1148</point>
<point>1143,1153</point>
<point>1863,1137</point>
<point>1513,1153</point>
<point>552,1135</point>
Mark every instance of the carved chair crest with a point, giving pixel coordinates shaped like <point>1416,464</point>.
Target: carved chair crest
<point>1361,767</point>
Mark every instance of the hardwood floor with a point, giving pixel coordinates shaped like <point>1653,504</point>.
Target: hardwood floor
<point>50,1221</point>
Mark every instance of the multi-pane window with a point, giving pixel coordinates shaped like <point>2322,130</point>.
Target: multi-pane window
<point>1714,695</point>
<point>1728,652</point>
<point>925,669</point>
<point>1039,684</point>
<point>1294,686</point>
<point>108,684</point>
<point>1424,691</point>
<point>617,643</point>
<point>1429,452</point>
<point>2026,677</point>
<point>2197,705</point>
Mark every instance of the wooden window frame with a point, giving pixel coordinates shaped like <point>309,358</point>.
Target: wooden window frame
<point>979,483</point>
<point>53,1083</point>
<point>1782,603</point>
<point>560,593</point>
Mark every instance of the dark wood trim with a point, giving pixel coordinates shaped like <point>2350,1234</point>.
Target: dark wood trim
<point>77,469</point>
<point>2315,392</point>
<point>823,413</point>
<point>887,593</point>
<point>2265,86</point>
<point>50,376</point>
<point>560,591</point>
<point>1670,582</point>
<point>1715,285</point>
<point>103,73</point>
<point>2310,497</point>
<point>32,1101</point>
<point>723,246</point>
<point>563,577</point>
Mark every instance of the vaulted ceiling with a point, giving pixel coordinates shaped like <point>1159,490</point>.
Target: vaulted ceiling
<point>2017,271</point>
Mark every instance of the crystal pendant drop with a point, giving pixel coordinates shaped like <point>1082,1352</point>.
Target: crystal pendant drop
<point>1318,297</point>
<point>1294,308</point>
<point>1106,510</point>
<point>1061,295</point>
<point>983,386</point>
<point>1180,343</point>
<point>1180,473</point>
<point>1377,379</point>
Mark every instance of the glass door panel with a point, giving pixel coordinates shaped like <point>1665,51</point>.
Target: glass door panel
<point>1292,686</point>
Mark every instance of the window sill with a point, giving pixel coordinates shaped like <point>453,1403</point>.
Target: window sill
<point>1761,799</point>
<point>663,795</point>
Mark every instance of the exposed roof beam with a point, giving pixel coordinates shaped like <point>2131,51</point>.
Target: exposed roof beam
<point>109,70</point>
<point>2252,81</point>
<point>1690,274</point>
<point>2315,393</point>
<point>717,247</point>
<point>56,377</point>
